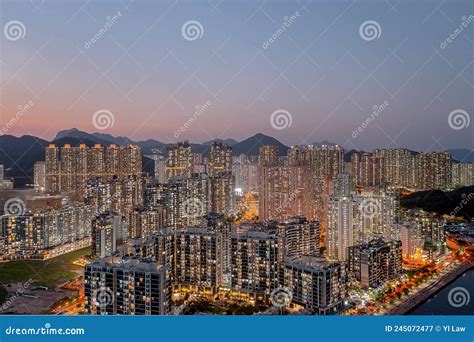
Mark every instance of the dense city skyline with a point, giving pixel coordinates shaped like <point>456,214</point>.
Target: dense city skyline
<point>239,233</point>
<point>247,61</point>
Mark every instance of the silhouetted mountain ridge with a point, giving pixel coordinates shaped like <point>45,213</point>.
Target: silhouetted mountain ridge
<point>251,145</point>
<point>442,202</point>
<point>228,142</point>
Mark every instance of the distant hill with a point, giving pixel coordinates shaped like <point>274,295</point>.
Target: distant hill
<point>251,146</point>
<point>442,202</point>
<point>98,138</point>
<point>229,142</point>
<point>19,154</point>
<point>75,141</point>
<point>148,166</point>
<point>463,155</point>
<point>348,155</point>
<point>106,139</point>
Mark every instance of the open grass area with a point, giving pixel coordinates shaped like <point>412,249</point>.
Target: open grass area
<point>45,273</point>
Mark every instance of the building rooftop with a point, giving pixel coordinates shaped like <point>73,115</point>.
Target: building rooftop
<point>136,264</point>
<point>312,262</point>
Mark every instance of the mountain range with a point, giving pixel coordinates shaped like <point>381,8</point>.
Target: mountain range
<point>248,146</point>
<point>18,154</point>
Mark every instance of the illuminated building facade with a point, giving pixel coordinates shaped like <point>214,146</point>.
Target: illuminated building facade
<point>376,216</point>
<point>299,237</point>
<point>268,155</point>
<point>222,193</point>
<point>220,159</point>
<point>108,231</point>
<point>340,234</point>
<point>144,221</point>
<point>283,192</point>
<point>431,227</point>
<point>198,260</point>
<point>116,286</point>
<point>398,166</point>
<point>40,176</point>
<point>318,285</point>
<point>463,174</point>
<point>180,160</point>
<point>374,263</point>
<point>69,168</point>
<point>41,233</point>
<point>117,194</point>
<point>187,200</point>
<point>411,238</point>
<point>246,174</point>
<point>434,170</point>
<point>255,260</point>
<point>368,169</point>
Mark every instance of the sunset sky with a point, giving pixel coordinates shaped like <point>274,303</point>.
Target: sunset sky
<point>319,69</point>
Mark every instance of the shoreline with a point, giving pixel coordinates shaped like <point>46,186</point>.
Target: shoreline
<point>421,297</point>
